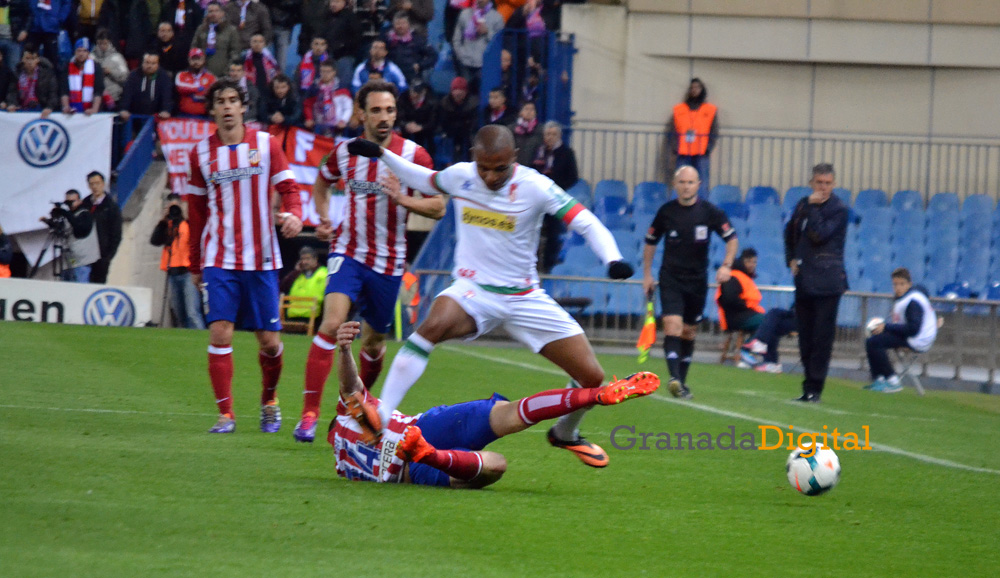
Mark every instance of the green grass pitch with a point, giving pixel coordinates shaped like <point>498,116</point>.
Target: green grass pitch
<point>107,471</point>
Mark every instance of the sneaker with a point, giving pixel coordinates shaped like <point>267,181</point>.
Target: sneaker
<point>743,365</point>
<point>678,389</point>
<point>270,417</point>
<point>413,447</point>
<point>367,417</point>
<point>635,385</point>
<point>769,367</point>
<point>876,385</point>
<point>590,454</point>
<point>755,346</point>
<point>891,387</point>
<point>226,424</point>
<point>748,358</point>
<point>305,430</point>
<point>808,398</point>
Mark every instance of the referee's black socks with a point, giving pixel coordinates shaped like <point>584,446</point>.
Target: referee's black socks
<point>687,350</point>
<point>671,350</point>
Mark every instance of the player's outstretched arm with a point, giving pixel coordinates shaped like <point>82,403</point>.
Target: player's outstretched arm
<point>347,371</point>
<point>601,242</point>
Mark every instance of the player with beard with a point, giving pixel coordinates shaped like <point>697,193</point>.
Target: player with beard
<point>233,246</point>
<point>369,246</point>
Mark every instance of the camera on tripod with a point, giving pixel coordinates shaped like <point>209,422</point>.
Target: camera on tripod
<point>58,218</point>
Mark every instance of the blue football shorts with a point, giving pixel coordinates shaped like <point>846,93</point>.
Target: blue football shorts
<point>249,299</point>
<point>374,294</point>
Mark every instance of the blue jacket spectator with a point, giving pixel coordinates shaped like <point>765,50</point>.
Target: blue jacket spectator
<point>47,19</point>
<point>377,62</point>
<point>408,48</point>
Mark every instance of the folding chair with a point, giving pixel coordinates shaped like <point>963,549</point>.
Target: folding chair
<point>907,359</point>
<point>288,301</point>
<point>730,350</point>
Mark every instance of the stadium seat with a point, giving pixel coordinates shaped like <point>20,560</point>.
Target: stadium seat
<point>943,202</point>
<point>942,260</point>
<point>849,312</point>
<point>735,210</point>
<point>981,204</point>
<point>765,215</point>
<point>581,192</point>
<point>793,196</point>
<point>952,291</point>
<point>870,199</point>
<point>610,188</point>
<point>579,258</point>
<point>844,195</point>
<point>909,224</point>
<point>759,195</point>
<point>993,291</point>
<point>613,211</point>
<point>907,200</point>
<point>740,225</point>
<point>649,196</point>
<point>973,268</point>
<point>725,194</point>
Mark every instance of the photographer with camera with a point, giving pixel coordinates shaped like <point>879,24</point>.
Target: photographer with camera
<point>172,234</point>
<point>74,236</point>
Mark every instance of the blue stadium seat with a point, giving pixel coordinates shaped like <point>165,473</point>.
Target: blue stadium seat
<point>649,196</point>
<point>628,242</point>
<point>613,211</point>
<point>579,259</point>
<point>735,210</point>
<point>952,290</point>
<point>759,195</point>
<point>725,194</point>
<point>793,196</point>
<point>981,204</point>
<point>765,215</point>
<point>942,260</point>
<point>844,195</point>
<point>973,268</point>
<point>870,199</point>
<point>907,200</point>
<point>610,188</point>
<point>909,224</point>
<point>913,258</point>
<point>740,225</point>
<point>625,299</point>
<point>581,192</point>
<point>943,220</point>
<point>993,291</point>
<point>849,312</point>
<point>943,202</point>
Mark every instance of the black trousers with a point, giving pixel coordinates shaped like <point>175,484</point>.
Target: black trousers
<point>817,321</point>
<point>99,271</point>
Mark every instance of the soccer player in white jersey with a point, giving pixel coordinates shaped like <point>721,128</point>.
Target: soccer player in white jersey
<point>444,445</point>
<point>499,207</point>
<point>233,246</point>
<point>369,246</point>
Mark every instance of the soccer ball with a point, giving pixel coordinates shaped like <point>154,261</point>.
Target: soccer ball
<point>872,324</point>
<point>816,474</point>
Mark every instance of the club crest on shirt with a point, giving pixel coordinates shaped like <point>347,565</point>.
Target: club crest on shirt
<point>254,157</point>
<point>512,193</point>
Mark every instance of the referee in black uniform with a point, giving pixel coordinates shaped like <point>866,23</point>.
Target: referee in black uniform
<point>687,222</point>
<point>814,249</point>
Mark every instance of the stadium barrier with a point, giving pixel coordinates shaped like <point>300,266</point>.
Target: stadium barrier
<point>136,155</point>
<point>635,153</point>
<point>612,313</point>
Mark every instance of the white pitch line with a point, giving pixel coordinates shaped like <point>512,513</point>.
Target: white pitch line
<point>782,399</point>
<point>742,416</point>
<point>98,410</point>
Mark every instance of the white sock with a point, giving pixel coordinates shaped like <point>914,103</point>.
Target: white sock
<point>567,427</point>
<point>406,369</point>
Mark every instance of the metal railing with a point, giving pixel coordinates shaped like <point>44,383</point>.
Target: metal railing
<point>137,155</point>
<point>612,312</point>
<point>750,157</point>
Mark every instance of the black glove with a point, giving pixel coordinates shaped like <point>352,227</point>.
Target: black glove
<point>364,148</point>
<point>620,270</point>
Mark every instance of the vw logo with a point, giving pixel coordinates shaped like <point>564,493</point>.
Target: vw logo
<point>109,307</point>
<point>43,143</point>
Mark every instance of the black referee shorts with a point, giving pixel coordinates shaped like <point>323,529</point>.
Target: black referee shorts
<point>684,297</point>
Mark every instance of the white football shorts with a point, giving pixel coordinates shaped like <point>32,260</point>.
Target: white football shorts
<point>533,318</point>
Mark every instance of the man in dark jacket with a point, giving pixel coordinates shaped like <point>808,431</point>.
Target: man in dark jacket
<point>173,58</point>
<point>458,114</point>
<point>555,160</point>
<point>148,90</point>
<point>342,31</point>
<point>14,31</point>
<point>184,22</point>
<point>408,48</point>
<point>417,117</point>
<point>108,220</point>
<point>34,87</point>
<point>814,251</point>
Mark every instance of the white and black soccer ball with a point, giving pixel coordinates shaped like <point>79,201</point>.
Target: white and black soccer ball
<point>872,324</point>
<point>813,475</point>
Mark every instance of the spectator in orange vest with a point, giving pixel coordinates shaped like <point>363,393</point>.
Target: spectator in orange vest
<point>172,234</point>
<point>693,131</point>
<point>6,255</point>
<point>739,298</point>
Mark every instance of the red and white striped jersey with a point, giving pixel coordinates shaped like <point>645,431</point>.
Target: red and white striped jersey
<point>359,461</point>
<point>229,202</point>
<point>373,231</point>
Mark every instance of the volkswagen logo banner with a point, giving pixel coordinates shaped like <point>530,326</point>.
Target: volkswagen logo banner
<point>43,143</point>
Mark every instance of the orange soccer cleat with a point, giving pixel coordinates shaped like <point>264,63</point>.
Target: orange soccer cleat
<point>413,446</point>
<point>635,385</point>
<point>589,453</point>
<point>367,417</point>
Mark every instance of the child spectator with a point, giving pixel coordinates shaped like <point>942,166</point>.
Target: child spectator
<point>329,110</point>
<point>284,106</point>
<point>308,73</point>
<point>260,65</point>
<point>498,112</point>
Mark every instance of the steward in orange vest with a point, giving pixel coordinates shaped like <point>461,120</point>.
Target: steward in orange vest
<point>739,298</point>
<point>693,128</point>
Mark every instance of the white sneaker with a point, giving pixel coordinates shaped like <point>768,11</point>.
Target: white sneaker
<point>756,346</point>
<point>769,368</point>
<point>744,365</point>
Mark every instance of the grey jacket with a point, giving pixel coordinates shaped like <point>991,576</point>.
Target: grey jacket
<point>470,52</point>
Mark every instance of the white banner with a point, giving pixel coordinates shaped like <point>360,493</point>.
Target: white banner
<point>41,159</point>
<point>75,303</point>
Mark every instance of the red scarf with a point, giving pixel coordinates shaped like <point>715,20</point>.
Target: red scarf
<point>496,114</point>
<point>397,39</point>
<point>81,84</point>
<point>270,65</point>
<point>26,84</point>
<point>307,70</point>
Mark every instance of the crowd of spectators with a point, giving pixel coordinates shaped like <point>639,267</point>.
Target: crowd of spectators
<point>159,57</point>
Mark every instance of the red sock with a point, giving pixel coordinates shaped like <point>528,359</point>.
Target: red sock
<point>220,371</point>
<point>371,367</point>
<point>270,369</point>
<point>456,463</point>
<point>318,366</point>
<point>555,403</point>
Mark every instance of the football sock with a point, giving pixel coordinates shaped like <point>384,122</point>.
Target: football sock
<point>371,367</point>
<point>220,372</point>
<point>687,350</point>
<point>555,403</point>
<point>568,426</point>
<point>406,369</point>
<point>318,366</point>
<point>270,370</point>
<point>458,464</point>
<point>671,349</point>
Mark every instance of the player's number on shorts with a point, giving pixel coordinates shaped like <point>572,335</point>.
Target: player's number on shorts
<point>333,264</point>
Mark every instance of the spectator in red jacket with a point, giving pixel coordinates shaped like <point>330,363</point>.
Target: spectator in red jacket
<point>192,85</point>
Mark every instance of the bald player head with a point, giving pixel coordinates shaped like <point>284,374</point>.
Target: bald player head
<point>686,183</point>
<point>495,154</point>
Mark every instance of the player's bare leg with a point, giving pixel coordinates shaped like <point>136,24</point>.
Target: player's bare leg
<point>220,372</point>
<point>674,345</point>
<point>372,354</point>
<point>575,356</point>
<point>446,320</point>
<point>271,362</point>
<point>336,307</point>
